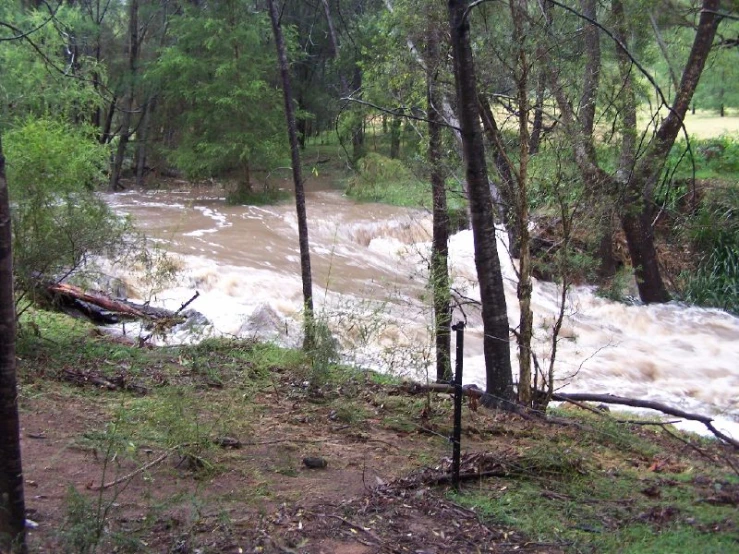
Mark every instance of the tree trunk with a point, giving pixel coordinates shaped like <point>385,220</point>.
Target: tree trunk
<point>12,506</point>
<point>125,133</point>
<point>105,134</point>
<point>358,128</point>
<point>591,76</point>
<point>496,343</point>
<point>440,246</point>
<point>395,137</point>
<point>505,205</point>
<point>637,226</point>
<point>143,140</point>
<point>537,128</point>
<point>524,289</point>
<point>305,269</point>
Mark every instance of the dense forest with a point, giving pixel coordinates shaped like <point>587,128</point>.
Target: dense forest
<point>569,124</point>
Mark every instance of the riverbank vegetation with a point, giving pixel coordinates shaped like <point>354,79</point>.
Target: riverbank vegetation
<point>201,448</point>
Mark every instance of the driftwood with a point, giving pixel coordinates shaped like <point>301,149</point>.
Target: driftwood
<point>474,392</point>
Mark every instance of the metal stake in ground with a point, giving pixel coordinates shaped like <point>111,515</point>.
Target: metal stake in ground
<point>458,393</point>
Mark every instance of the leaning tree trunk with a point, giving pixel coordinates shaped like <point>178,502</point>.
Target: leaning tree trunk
<point>496,343</point>
<point>440,245</point>
<point>305,270</point>
<point>12,507</point>
<point>637,219</point>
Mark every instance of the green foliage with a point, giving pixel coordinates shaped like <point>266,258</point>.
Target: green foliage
<point>715,234</point>
<point>58,221</point>
<point>382,179</point>
<point>218,83</point>
<point>29,85</point>
<point>324,355</point>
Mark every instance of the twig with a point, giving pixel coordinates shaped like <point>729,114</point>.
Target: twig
<point>134,473</point>
<point>277,441</point>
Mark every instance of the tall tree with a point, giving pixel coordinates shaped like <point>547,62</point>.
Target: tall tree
<point>496,343</point>
<point>440,243</point>
<point>217,100</point>
<point>12,506</point>
<point>305,269</point>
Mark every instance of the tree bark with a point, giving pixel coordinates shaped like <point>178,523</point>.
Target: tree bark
<point>358,126</point>
<point>591,72</point>
<point>12,505</point>
<point>440,245</point>
<point>496,344</point>
<point>305,268</point>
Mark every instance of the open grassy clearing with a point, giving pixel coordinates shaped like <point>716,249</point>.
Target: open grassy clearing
<point>204,448</point>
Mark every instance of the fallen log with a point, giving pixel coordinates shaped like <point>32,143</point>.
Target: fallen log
<point>649,405</point>
<point>473,392</point>
<point>63,290</point>
<point>101,308</point>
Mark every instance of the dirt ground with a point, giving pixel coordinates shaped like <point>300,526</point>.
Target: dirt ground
<point>262,498</point>
<point>236,480</point>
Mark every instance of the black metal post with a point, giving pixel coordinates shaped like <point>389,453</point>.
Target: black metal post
<point>458,393</point>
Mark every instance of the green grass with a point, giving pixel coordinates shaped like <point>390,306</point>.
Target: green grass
<point>589,500</point>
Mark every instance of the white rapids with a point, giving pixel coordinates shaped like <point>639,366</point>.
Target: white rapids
<point>370,265</point>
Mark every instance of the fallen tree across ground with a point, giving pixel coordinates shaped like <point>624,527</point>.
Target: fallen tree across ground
<point>472,391</point>
<point>100,308</point>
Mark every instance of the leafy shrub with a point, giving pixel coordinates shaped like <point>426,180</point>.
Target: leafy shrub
<point>382,179</point>
<point>58,220</point>
<point>715,235</point>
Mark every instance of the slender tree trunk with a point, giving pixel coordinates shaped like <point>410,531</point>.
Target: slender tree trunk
<point>305,269</point>
<point>395,137</point>
<point>537,128</point>
<point>143,140</point>
<point>496,343</point>
<point>591,76</point>
<point>638,210</point>
<point>440,245</point>
<point>105,134</point>
<point>524,290</point>
<point>358,128</point>
<point>125,133</point>
<point>12,506</point>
